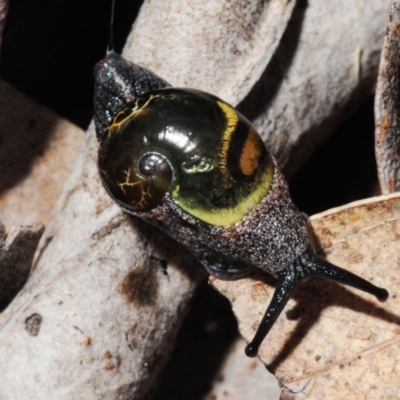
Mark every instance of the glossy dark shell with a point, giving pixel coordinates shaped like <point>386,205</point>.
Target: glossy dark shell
<point>190,145</point>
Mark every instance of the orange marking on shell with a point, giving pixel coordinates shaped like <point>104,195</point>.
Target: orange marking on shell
<point>249,158</point>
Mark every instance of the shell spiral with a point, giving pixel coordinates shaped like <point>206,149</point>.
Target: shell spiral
<point>188,147</point>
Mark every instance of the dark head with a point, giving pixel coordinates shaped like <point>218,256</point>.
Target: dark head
<point>118,82</point>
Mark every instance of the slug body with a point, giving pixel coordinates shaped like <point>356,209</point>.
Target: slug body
<point>189,163</point>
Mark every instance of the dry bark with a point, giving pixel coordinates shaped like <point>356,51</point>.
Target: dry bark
<point>321,69</point>
<point>36,153</point>
<point>18,244</point>
<point>32,174</point>
<point>107,308</point>
<point>387,107</point>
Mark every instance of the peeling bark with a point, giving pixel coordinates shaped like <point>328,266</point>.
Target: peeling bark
<point>17,248</point>
<point>387,107</point>
<point>34,162</point>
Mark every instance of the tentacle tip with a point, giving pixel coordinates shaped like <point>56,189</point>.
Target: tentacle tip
<point>251,350</point>
<point>382,294</point>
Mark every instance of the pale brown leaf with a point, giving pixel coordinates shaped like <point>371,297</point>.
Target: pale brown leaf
<point>333,341</point>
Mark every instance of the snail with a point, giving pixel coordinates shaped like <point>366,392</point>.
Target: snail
<point>191,164</point>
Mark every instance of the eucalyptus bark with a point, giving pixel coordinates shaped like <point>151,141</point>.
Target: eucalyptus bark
<point>387,107</point>
<point>296,88</point>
